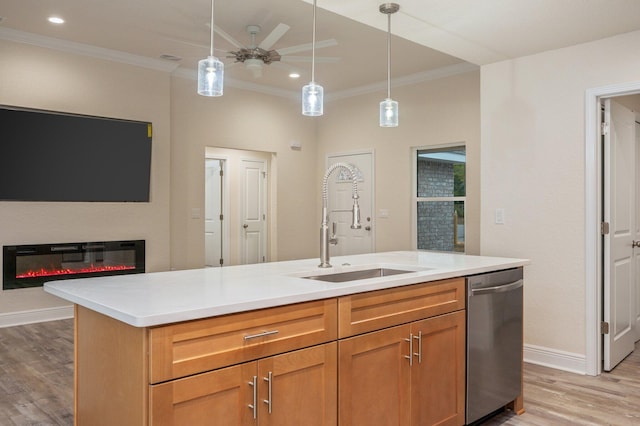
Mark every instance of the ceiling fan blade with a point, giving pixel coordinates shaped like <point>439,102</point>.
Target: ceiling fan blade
<point>274,36</point>
<point>319,59</point>
<point>222,33</point>
<point>307,46</point>
<point>191,43</point>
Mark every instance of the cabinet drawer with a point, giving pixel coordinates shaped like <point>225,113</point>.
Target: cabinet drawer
<point>364,312</point>
<point>182,349</point>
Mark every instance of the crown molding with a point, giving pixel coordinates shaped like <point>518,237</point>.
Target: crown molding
<point>175,69</point>
<point>86,50</point>
<point>407,80</point>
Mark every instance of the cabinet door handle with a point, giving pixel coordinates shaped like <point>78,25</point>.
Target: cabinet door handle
<point>264,333</point>
<point>254,406</point>
<point>419,353</point>
<point>410,356</point>
<point>269,401</point>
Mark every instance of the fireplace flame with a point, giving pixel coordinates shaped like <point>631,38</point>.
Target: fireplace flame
<point>92,269</point>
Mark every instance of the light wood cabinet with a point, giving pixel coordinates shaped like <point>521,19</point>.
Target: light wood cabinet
<point>411,374</point>
<point>294,388</point>
<point>392,357</point>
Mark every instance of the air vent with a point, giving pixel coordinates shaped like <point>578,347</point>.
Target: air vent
<point>170,57</point>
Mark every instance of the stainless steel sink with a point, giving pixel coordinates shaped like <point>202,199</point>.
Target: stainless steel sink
<point>340,277</point>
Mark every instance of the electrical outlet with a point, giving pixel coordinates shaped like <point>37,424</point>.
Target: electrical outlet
<point>499,216</point>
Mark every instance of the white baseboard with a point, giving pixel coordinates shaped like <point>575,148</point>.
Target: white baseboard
<point>37,315</point>
<point>561,360</point>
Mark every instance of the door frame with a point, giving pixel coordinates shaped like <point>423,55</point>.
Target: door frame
<point>593,201</point>
<point>224,161</point>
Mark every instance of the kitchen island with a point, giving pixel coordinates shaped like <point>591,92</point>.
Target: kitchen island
<point>262,344</point>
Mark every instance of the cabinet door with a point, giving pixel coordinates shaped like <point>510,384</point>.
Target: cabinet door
<point>438,372</point>
<point>374,378</point>
<point>220,397</point>
<point>299,388</point>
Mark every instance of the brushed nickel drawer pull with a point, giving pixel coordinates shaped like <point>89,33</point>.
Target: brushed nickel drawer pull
<point>264,333</point>
<point>410,356</point>
<point>269,401</point>
<point>254,406</point>
<point>419,353</point>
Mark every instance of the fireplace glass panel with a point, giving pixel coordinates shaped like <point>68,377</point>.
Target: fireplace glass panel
<point>31,266</point>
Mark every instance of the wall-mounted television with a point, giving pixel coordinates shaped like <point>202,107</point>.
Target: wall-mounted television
<point>55,156</point>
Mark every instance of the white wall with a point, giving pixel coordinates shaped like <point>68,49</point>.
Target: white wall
<point>432,113</point>
<point>533,166</point>
<point>41,78</point>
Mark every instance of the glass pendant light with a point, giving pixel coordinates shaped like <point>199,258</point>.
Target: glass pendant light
<point>389,107</point>
<point>312,93</point>
<point>210,71</point>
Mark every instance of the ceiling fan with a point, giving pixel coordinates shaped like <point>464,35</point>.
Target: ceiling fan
<point>256,56</point>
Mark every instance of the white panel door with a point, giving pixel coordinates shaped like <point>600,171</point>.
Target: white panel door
<point>351,241</point>
<point>253,220</point>
<point>619,211</point>
<point>212,212</point>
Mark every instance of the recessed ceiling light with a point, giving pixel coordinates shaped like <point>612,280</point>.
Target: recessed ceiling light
<point>55,20</point>
<point>294,74</point>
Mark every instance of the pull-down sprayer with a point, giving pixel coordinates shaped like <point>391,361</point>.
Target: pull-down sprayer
<point>324,226</point>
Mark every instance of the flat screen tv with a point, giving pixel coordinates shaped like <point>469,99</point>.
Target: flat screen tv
<point>53,156</point>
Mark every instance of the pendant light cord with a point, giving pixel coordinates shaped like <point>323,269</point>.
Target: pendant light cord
<point>211,51</point>
<point>388,56</point>
<point>313,44</point>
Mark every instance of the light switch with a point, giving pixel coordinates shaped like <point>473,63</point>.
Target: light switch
<point>500,216</point>
<point>383,213</point>
<point>195,213</point>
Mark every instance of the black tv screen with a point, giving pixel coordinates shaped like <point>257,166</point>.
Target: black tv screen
<point>51,156</point>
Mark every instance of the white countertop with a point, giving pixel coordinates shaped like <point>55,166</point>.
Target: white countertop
<point>157,298</point>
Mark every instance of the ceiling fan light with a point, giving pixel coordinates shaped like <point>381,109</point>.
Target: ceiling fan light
<point>312,99</point>
<point>255,66</point>
<point>388,113</point>
<point>210,77</point>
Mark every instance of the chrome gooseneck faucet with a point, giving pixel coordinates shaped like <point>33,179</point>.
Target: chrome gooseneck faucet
<point>325,240</point>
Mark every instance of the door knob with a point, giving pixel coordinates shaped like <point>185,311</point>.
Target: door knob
<point>245,226</point>
<point>367,228</point>
<point>635,243</point>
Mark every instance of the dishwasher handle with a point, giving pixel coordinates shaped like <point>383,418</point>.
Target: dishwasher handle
<point>497,289</point>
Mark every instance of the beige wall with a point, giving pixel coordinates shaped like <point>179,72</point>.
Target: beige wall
<point>433,113</point>
<point>533,166</point>
<point>248,121</point>
<point>40,78</point>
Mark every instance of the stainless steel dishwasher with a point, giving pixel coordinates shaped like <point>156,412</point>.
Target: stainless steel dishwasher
<point>494,341</point>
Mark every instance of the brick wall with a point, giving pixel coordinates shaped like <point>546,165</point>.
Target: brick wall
<point>435,219</point>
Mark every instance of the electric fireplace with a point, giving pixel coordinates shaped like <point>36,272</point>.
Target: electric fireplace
<point>33,265</point>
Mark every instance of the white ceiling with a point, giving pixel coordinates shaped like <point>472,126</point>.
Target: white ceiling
<point>431,37</point>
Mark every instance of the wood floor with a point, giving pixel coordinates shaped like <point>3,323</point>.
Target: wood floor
<point>36,385</point>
